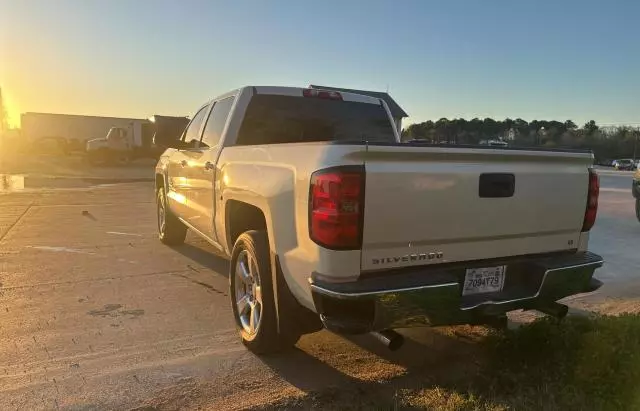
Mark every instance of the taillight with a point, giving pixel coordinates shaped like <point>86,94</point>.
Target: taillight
<point>336,205</point>
<point>592,201</point>
<point>325,94</point>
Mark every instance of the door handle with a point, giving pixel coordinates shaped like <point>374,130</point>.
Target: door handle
<point>183,163</point>
<point>497,185</point>
<point>209,165</point>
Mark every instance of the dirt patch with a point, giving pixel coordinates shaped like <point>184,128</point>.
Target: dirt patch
<point>114,310</point>
<point>612,306</point>
<point>107,310</point>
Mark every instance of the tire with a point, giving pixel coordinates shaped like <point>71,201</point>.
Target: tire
<point>251,293</point>
<point>638,210</point>
<point>171,231</point>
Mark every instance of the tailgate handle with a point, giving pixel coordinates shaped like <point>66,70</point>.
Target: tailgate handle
<point>497,185</point>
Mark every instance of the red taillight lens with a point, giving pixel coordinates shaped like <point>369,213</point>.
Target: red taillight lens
<point>336,206</point>
<point>592,201</point>
<point>328,95</point>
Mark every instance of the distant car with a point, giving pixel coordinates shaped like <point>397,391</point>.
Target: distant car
<point>494,143</point>
<point>625,164</point>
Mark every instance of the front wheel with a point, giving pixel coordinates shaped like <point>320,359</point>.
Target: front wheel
<point>252,297</point>
<point>171,230</point>
<point>638,210</point>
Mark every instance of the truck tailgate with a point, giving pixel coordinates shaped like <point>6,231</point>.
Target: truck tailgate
<point>430,205</point>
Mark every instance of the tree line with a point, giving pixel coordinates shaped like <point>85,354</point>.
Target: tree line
<point>606,142</point>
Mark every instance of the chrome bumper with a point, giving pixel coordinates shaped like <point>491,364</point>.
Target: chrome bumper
<point>428,296</point>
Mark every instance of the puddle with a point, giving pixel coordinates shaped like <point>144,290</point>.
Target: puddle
<point>19,182</point>
<point>59,249</point>
<point>114,310</point>
<point>127,234</point>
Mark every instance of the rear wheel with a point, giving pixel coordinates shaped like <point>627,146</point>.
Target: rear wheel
<point>171,231</point>
<point>252,297</point>
<point>638,209</point>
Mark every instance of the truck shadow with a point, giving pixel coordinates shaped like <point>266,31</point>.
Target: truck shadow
<point>205,255</point>
<point>426,347</point>
<point>335,371</point>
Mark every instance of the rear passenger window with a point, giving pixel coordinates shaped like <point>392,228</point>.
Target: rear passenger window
<point>192,133</point>
<point>217,120</point>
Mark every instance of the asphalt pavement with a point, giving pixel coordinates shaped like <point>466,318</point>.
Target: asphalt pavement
<point>616,236</point>
<point>97,314</point>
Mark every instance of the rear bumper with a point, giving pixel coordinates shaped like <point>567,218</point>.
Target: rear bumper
<point>429,296</point>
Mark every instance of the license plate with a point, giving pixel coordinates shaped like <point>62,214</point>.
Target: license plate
<point>484,280</point>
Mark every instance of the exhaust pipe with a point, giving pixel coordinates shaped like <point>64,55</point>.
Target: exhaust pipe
<point>553,309</point>
<point>391,339</point>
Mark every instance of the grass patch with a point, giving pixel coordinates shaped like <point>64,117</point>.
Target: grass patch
<point>446,400</point>
<point>578,363</point>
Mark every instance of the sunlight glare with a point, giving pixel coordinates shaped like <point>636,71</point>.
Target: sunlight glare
<point>12,109</point>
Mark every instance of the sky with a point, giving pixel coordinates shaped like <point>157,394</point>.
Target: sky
<point>543,59</point>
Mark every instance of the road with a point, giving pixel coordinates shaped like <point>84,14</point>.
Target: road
<point>616,235</point>
<point>97,314</point>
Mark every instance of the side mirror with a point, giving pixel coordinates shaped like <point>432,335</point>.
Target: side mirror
<point>168,131</point>
<point>164,140</point>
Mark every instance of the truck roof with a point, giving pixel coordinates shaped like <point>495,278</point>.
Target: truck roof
<point>298,92</point>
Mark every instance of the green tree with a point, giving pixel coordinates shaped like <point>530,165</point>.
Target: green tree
<point>605,143</point>
<point>590,126</point>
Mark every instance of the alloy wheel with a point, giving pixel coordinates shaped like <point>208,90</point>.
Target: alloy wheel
<point>248,293</point>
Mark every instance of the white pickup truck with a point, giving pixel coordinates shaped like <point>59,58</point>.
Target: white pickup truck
<point>330,221</point>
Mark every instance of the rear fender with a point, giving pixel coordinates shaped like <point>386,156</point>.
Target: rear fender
<point>271,189</point>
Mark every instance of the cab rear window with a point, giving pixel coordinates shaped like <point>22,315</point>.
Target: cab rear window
<point>273,119</point>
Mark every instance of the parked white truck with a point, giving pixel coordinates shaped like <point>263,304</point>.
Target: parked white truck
<point>135,141</point>
<point>329,220</point>
<point>117,145</point>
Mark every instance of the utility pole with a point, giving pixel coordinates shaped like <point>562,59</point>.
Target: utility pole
<point>636,134</point>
